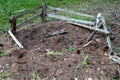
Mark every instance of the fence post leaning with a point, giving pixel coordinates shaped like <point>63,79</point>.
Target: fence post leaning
<point>43,12</point>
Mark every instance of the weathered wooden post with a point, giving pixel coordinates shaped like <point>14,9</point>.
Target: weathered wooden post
<point>43,13</point>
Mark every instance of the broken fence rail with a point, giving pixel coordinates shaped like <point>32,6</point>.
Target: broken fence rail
<point>71,12</point>
<point>98,24</point>
<point>79,23</point>
<point>70,19</point>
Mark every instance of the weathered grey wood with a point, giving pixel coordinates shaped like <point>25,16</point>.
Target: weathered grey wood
<point>71,12</point>
<point>90,28</point>
<point>28,20</point>
<point>87,44</point>
<point>15,39</point>
<point>92,34</point>
<point>97,25</point>
<point>70,19</point>
<point>43,12</point>
<point>105,28</point>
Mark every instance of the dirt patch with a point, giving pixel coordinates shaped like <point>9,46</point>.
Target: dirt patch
<point>75,62</point>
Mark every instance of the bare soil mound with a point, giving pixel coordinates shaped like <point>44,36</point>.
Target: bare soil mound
<point>33,62</point>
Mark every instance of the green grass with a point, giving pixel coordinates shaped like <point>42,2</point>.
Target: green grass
<point>83,63</point>
<point>2,54</point>
<point>71,48</point>
<point>9,7</point>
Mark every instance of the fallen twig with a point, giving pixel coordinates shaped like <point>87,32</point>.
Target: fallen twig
<point>87,44</point>
<point>15,39</point>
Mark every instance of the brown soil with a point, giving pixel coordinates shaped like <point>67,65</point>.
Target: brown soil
<point>32,62</point>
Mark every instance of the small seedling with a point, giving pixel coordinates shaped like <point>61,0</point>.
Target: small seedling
<point>2,54</point>
<point>4,75</point>
<point>84,62</point>
<point>52,53</point>
<point>34,75</point>
<point>71,48</point>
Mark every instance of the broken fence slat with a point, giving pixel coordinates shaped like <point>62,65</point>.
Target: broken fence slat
<point>28,20</point>
<point>72,12</point>
<point>105,28</point>
<point>15,39</point>
<point>92,34</point>
<point>90,28</point>
<point>97,25</point>
<point>70,19</point>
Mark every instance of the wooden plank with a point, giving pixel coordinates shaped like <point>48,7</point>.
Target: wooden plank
<point>71,12</point>
<point>70,19</point>
<point>90,28</point>
<point>15,39</point>
<point>43,12</point>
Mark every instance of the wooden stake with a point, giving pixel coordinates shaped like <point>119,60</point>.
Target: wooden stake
<point>43,13</point>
